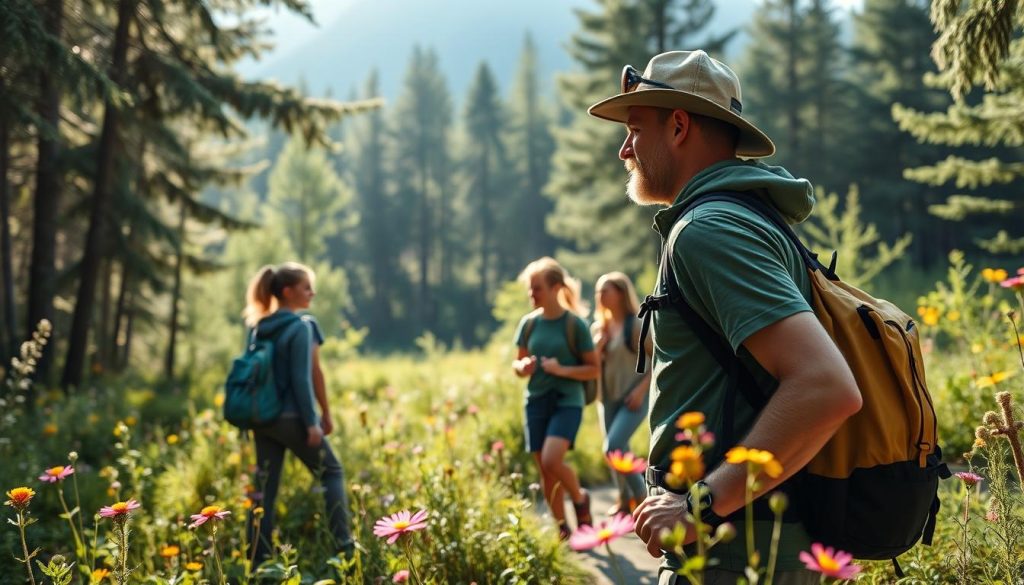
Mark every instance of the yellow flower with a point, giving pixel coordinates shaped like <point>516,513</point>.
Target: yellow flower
<point>953,315</point>
<point>994,275</point>
<point>219,401</point>
<point>687,466</point>
<point>130,421</point>
<point>976,348</point>
<point>234,459</point>
<point>931,316</point>
<point>690,420</point>
<point>986,381</point>
<point>170,551</point>
<point>99,575</point>
<point>49,430</point>
<point>20,497</point>
<point>761,460</point>
<point>193,566</point>
<point>979,443</point>
<point>172,439</point>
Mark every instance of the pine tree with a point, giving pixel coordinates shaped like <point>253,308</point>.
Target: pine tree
<point>591,208</point>
<point>530,145</point>
<point>892,39</point>
<point>484,163</point>
<point>306,199</point>
<point>793,84</point>
<point>423,114</point>
<point>976,43</point>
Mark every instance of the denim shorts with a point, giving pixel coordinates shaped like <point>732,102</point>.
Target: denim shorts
<point>545,418</point>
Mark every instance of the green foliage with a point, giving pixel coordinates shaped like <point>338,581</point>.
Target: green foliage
<point>845,235</point>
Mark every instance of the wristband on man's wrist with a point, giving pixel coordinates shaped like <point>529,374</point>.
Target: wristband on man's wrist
<point>705,500</point>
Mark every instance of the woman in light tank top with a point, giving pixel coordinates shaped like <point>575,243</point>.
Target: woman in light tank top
<point>624,393</point>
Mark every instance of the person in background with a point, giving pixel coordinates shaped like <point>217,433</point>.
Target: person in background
<point>557,354</point>
<point>275,295</point>
<point>624,392</point>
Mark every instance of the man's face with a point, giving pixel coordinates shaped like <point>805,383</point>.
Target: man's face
<point>646,155</point>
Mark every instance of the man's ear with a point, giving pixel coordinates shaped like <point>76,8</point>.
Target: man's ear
<point>681,121</point>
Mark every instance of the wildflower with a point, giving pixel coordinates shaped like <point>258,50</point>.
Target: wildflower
<point>626,463</point>
<point>19,497</point>
<point>172,439</point>
<point>473,409</point>
<point>690,420</point>
<point>119,510</point>
<point>829,562</point>
<point>931,315</point>
<point>994,275</point>
<point>130,421</point>
<point>762,460</point>
<point>498,446</point>
<point>969,479</point>
<point>49,430</point>
<point>995,378</point>
<point>401,576</point>
<point>953,315</point>
<point>98,575</point>
<point>687,466</point>
<point>170,551</point>
<point>1016,283</point>
<point>398,524</point>
<point>55,474</point>
<point>193,566</point>
<point>588,537</point>
<point>208,513</point>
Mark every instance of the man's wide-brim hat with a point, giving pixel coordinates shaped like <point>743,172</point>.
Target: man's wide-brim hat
<point>700,85</point>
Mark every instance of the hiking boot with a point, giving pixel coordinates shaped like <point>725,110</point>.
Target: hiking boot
<point>582,510</point>
<point>564,532</point>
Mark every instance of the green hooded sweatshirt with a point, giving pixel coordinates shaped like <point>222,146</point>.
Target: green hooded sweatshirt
<point>740,274</point>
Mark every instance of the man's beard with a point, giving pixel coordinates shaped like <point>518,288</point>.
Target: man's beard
<point>650,183</point>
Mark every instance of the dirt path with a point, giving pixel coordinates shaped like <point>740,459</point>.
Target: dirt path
<point>638,567</point>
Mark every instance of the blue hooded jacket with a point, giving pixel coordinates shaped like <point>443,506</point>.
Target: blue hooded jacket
<point>293,362</point>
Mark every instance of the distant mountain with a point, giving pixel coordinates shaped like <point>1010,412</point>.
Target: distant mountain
<point>381,34</point>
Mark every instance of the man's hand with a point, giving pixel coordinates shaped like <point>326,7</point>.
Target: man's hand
<point>658,513</point>
<point>326,424</point>
<point>635,399</point>
<point>314,436</point>
<point>550,365</point>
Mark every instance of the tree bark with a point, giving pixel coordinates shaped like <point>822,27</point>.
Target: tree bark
<point>42,269</point>
<point>176,296</point>
<point>109,147</point>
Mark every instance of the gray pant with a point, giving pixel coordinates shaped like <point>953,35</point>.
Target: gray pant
<point>289,434</point>
<point>723,577</point>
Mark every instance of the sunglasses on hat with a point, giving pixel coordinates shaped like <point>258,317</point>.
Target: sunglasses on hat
<point>631,78</point>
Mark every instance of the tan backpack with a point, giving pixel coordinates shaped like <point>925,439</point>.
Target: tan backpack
<point>872,489</point>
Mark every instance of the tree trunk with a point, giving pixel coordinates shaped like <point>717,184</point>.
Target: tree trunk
<point>43,271</point>
<point>9,335</point>
<point>109,147</point>
<point>176,296</point>
<point>119,317</point>
<point>101,334</point>
<point>128,330</point>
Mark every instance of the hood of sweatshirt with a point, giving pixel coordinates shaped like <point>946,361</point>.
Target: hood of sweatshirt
<point>275,323</point>
<point>794,198</point>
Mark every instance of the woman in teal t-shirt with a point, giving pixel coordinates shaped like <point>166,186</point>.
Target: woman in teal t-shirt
<point>557,354</point>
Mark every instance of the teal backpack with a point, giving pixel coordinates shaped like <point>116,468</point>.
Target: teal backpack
<point>251,396</point>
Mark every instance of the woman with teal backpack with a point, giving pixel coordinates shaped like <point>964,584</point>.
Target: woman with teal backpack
<point>557,354</point>
<point>274,297</point>
<point>624,393</point>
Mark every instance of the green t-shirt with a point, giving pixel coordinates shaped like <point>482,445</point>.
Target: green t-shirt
<point>548,339</point>
<point>740,274</point>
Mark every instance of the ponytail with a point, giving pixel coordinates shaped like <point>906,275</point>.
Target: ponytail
<point>265,289</point>
<point>259,298</point>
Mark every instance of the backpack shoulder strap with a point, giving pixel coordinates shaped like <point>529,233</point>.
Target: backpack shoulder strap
<point>531,321</point>
<point>570,334</point>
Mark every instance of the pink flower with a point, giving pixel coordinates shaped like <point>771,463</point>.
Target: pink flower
<point>626,463</point>
<point>498,446</point>
<point>829,562</point>
<point>969,479</point>
<point>1015,282</point>
<point>208,513</point>
<point>588,537</point>
<point>398,524</point>
<point>119,510</point>
<point>55,474</point>
<point>401,576</point>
